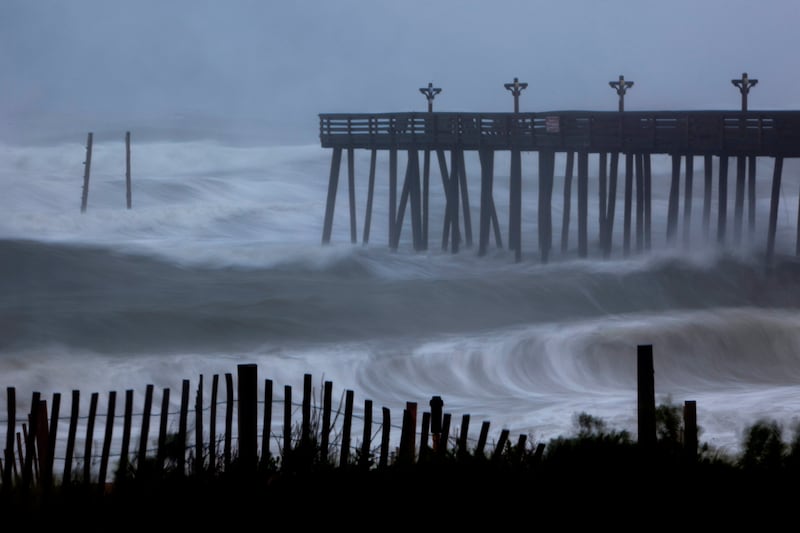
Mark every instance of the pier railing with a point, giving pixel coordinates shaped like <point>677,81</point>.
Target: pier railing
<point>755,133</point>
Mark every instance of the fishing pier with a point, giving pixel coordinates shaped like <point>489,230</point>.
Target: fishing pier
<point>621,142</point>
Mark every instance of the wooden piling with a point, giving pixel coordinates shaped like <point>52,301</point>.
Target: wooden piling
<point>639,202</point>
<point>351,190</point>
<point>109,433</point>
<point>347,424</point>
<point>370,194</point>
<point>687,199</point>
<point>545,218</point>
<point>646,397</point>
<point>453,200</point>
<point>128,196</point>
<point>626,236</point>
<point>487,185</point>
<point>583,203</point>
<point>445,174</point>
<point>87,165</point>
<point>515,205</point>
<point>426,181</point>
<point>722,213</point>
<point>751,194</point>
<point>567,201</point>
<point>611,205</point>
<point>602,193</point>
<point>674,194</point>
<point>773,208</point>
<point>738,215</point>
<point>392,197</point>
<point>708,169</point>
<point>465,207</point>
<point>333,183</point>
<point>648,195</point>
<point>247,396</point>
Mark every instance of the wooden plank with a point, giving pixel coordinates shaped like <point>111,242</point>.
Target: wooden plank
<point>161,454</point>
<point>567,202</point>
<point>347,424</point>
<point>365,457</point>
<point>266,430</point>
<point>351,189</point>
<point>674,194</point>
<point>11,423</point>
<point>333,183</point>
<point>87,451</point>
<point>212,423</point>
<point>687,199</point>
<point>327,405</point>
<point>722,213</point>
<point>247,421</point>
<point>183,423</point>
<point>199,458</point>
<point>646,402</point>
<point>71,432</point>
<point>107,439</point>
<point>773,208</point>
<point>47,471</point>
<point>370,194</point>
<point>28,477</point>
<point>626,236</point>
<point>463,445</point>
<point>287,423</point>
<point>127,421</point>
<point>227,448</point>
<point>305,422</point>
<point>145,429</point>
<point>482,438</point>
<point>583,203</point>
<point>386,432</point>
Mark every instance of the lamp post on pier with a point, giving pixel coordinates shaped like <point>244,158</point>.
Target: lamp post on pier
<point>516,88</point>
<point>430,93</point>
<point>744,84</point>
<point>621,86</point>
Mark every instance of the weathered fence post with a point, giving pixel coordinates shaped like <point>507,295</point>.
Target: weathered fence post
<point>462,438</point>
<point>305,428</point>
<point>180,448</point>
<point>30,441</point>
<point>145,431</point>
<point>646,397</point>
<point>47,470</point>
<point>366,437</point>
<point>162,431</point>
<point>407,438</point>
<point>248,417</point>
<point>482,438</point>
<point>424,435</point>
<point>112,403</point>
<point>126,434</point>
<point>212,423</point>
<point>326,420</point>
<point>87,164</point>
<point>198,427</point>
<point>500,446</point>
<point>228,419</point>
<point>8,453</point>
<point>267,429</point>
<point>445,433</point>
<point>386,429</point>
<point>287,422</point>
<point>73,428</point>
<point>344,455</point>
<point>87,455</point>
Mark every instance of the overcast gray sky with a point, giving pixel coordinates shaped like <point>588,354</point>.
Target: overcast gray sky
<point>280,63</point>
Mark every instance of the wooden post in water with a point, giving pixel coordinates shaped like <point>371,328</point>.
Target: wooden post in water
<point>71,432</point>
<point>351,189</point>
<point>626,236</point>
<point>602,191</point>
<point>141,458</point>
<point>738,215</point>
<point>546,174</point>
<point>567,202</point>
<point>687,199</point>
<point>674,194</point>
<point>440,156</point>
<point>639,202</point>
<point>487,184</point>
<point>347,424</point>
<point>392,196</point>
<point>333,184</point>
<point>751,195</point>
<point>87,166</point>
<point>583,202</point>
<point>326,420</point>
<point>370,194</point>
<point>612,204</point>
<point>648,216</point>
<point>646,397</point>
<point>690,430</point>
<point>109,433</point>
<point>266,431</point>
<point>128,168</point>
<point>426,185</point>
<point>248,417</point>
<point>722,214</point>
<point>453,199</point>
<point>465,208</point>
<point>708,169</point>
<point>11,423</point>
<point>87,452</point>
<point>773,208</point>
<point>515,205</point>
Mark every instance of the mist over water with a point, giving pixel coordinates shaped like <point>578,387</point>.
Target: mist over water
<point>219,262</point>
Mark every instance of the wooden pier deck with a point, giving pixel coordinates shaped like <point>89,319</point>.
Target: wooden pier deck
<point>683,135</point>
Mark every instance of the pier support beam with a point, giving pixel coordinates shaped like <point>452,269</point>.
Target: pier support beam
<point>452,200</point>
<point>708,169</point>
<point>567,201</point>
<point>738,216</point>
<point>626,236</point>
<point>639,202</point>
<point>515,205</point>
<point>602,196</point>
<point>426,180</point>
<point>773,209</point>
<point>611,204</point>
<point>687,199</point>
<point>583,202</point>
<point>392,196</point>
<point>674,194</point>
<point>722,214</point>
<point>546,170</point>
<point>370,195</point>
<point>648,216</point>
<point>351,190</point>
<point>333,183</point>
<point>462,177</point>
<point>487,204</point>
<point>751,195</point>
